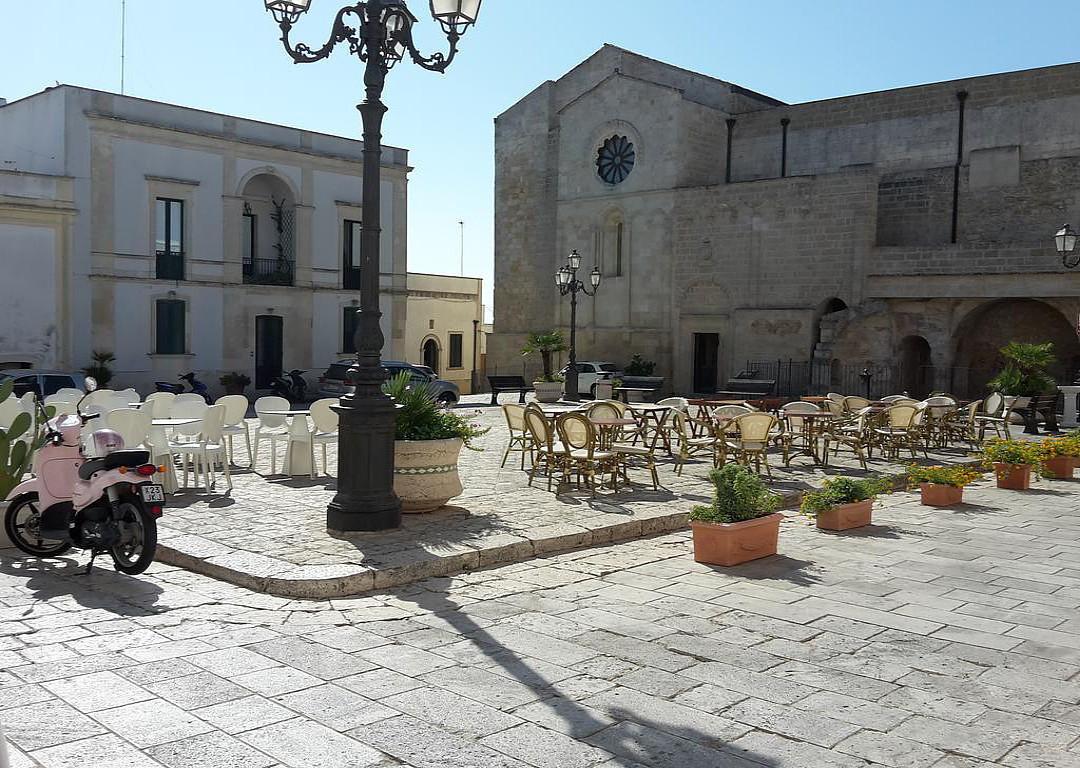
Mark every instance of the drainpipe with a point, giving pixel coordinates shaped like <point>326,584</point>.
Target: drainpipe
<point>784,122</point>
<point>961,97</point>
<point>730,131</point>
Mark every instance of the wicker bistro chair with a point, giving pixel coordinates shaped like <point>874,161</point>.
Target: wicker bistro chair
<point>519,433</point>
<point>548,453</point>
<point>898,430</point>
<point>836,397</point>
<point>994,416</point>
<point>961,425</point>
<point>939,409</point>
<point>689,445</point>
<point>854,404</point>
<point>630,452</point>
<point>583,454</point>
<point>753,441</point>
<point>796,429</point>
<point>622,411</point>
<point>856,435</point>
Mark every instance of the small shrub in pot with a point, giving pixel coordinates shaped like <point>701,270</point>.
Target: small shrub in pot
<point>741,524</point>
<point>1013,461</point>
<point>843,503</point>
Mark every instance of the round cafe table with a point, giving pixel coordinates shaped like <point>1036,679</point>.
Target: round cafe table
<point>297,462</point>
<point>609,429</point>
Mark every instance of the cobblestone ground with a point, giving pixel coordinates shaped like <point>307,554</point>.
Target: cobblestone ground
<point>946,638</point>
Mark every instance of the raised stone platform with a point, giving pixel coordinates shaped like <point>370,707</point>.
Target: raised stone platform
<point>270,535</point>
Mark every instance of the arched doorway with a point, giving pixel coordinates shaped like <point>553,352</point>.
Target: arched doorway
<point>431,354</point>
<point>990,327</point>
<point>916,371</point>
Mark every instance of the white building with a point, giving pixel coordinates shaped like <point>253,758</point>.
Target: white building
<point>183,240</point>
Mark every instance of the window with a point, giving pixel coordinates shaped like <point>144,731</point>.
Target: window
<point>351,261</point>
<point>611,246</point>
<point>455,350</point>
<point>170,239</point>
<point>171,331</point>
<point>250,227</point>
<point>349,321</point>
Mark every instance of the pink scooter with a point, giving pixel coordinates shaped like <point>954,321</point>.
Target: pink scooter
<point>107,502</point>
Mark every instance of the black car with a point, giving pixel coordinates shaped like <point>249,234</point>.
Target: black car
<point>335,383</point>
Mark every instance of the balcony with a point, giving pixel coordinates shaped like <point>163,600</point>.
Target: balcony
<point>269,271</point>
<point>170,265</point>
<point>351,279</point>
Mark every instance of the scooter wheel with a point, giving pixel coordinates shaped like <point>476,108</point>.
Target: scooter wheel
<point>22,526</point>
<point>138,545</point>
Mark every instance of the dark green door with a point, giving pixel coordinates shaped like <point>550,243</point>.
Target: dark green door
<point>269,338</point>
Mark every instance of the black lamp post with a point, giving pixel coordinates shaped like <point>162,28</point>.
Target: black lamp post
<point>567,281</point>
<point>866,376</point>
<point>382,35</point>
<point>1065,242</point>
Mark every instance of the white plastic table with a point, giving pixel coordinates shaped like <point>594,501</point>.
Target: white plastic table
<point>297,462</point>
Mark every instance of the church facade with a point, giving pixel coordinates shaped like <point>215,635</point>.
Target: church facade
<point>905,232</point>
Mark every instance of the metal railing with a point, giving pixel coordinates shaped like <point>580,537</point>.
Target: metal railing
<point>269,272</point>
<point>170,265</point>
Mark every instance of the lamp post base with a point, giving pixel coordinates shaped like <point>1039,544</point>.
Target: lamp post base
<point>365,500</point>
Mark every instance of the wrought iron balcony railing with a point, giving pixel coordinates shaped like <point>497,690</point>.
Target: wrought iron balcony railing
<point>269,272</point>
<point>170,265</point>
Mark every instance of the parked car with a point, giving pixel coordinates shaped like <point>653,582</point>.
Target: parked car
<point>590,372</point>
<point>41,383</point>
<point>334,382</point>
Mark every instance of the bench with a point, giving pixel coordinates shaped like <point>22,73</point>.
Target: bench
<point>1040,404</point>
<point>500,384</point>
<point>753,387</point>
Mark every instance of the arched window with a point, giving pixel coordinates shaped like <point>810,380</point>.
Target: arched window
<point>431,354</point>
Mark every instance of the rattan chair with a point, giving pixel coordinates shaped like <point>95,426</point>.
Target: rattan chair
<point>519,434</point>
<point>753,441</point>
<point>548,453</point>
<point>690,446</point>
<point>584,457</point>
<point>994,416</point>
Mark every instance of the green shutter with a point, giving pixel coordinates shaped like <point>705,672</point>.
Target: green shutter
<point>170,327</point>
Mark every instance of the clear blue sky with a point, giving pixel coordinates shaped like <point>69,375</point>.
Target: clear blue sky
<point>223,55</point>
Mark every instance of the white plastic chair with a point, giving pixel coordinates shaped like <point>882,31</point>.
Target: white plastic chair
<point>235,410</point>
<point>130,395</point>
<point>272,427</point>
<point>189,397</point>
<point>325,431</point>
<point>61,407</point>
<point>97,397</point>
<point>679,403</point>
<point>159,404</point>
<point>132,424</point>
<point>207,449</point>
<point>70,394</point>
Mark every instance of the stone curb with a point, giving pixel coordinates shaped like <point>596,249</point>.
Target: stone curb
<point>367,580</point>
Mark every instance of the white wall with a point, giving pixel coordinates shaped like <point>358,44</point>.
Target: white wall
<point>330,188</point>
<point>32,135</point>
<point>28,312</point>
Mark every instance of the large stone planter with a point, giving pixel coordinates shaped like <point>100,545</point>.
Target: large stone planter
<point>734,543</point>
<point>548,391</point>
<point>843,517</point>
<point>426,473</point>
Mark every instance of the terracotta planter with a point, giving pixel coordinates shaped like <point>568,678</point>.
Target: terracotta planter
<point>938,495</point>
<point>845,516</point>
<point>1014,477</point>
<point>548,391</point>
<point>426,473</point>
<point>1061,467</point>
<point>734,543</point>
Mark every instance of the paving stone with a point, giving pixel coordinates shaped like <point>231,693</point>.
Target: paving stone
<point>673,718</point>
<point>210,750</point>
<point>229,662</point>
<point>559,713</point>
<point>313,658</point>
<point>484,686</point>
<point>97,691</point>
<point>198,690</point>
<point>301,743</point>
<point>1041,756</point>
<point>932,704</point>
<point>241,715</point>
<point>99,751</point>
<point>451,712</point>
<point>544,748</point>
<point>378,683</point>
<point>18,696</point>
<point>874,716</point>
<point>152,672</point>
<point>658,749</point>
<point>335,707</point>
<point>791,722</point>
<point>149,723</point>
<point>657,682</point>
<point>890,750</point>
<point>47,724</point>
<point>947,736</point>
<point>275,681</point>
<point>423,745</point>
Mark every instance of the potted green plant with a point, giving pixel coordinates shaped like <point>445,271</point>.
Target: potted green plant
<point>1013,461</point>
<point>1025,373</point>
<point>844,502</point>
<point>549,386</point>
<point>427,445</point>
<point>235,383</point>
<point>638,374</point>
<point>99,367</point>
<point>1060,456</point>
<point>941,486</point>
<point>741,524</point>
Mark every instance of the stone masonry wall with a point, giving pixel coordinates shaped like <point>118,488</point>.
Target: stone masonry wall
<point>915,207</point>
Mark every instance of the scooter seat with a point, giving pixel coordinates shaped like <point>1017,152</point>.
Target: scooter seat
<point>114,460</point>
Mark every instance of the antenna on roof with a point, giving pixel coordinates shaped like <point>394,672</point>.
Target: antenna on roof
<point>123,41</point>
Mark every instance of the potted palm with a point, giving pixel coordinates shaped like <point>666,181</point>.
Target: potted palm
<point>941,486</point>
<point>1024,375</point>
<point>1013,461</point>
<point>427,444</point>
<point>235,383</point>
<point>100,367</point>
<point>741,524</point>
<point>1060,456</point>
<point>549,387</point>
<point>843,503</point>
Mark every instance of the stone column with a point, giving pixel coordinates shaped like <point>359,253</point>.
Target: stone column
<point>1068,419</point>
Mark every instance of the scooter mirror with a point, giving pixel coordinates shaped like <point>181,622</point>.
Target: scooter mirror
<point>90,384</point>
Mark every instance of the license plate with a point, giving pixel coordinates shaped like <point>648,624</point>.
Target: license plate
<point>152,494</point>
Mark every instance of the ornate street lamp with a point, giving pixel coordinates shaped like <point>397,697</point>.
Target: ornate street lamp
<point>380,37</point>
<point>567,282</point>
<point>1065,242</point>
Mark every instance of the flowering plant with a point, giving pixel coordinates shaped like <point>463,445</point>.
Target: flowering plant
<point>957,477</point>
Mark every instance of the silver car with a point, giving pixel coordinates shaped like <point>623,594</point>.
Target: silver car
<point>335,383</point>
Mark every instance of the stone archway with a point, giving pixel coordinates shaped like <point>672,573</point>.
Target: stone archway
<point>980,336</point>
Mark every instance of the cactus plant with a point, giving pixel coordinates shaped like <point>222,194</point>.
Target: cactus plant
<point>18,442</point>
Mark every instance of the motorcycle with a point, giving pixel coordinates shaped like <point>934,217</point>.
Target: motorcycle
<point>194,385</point>
<point>293,389</point>
<point>106,502</point>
